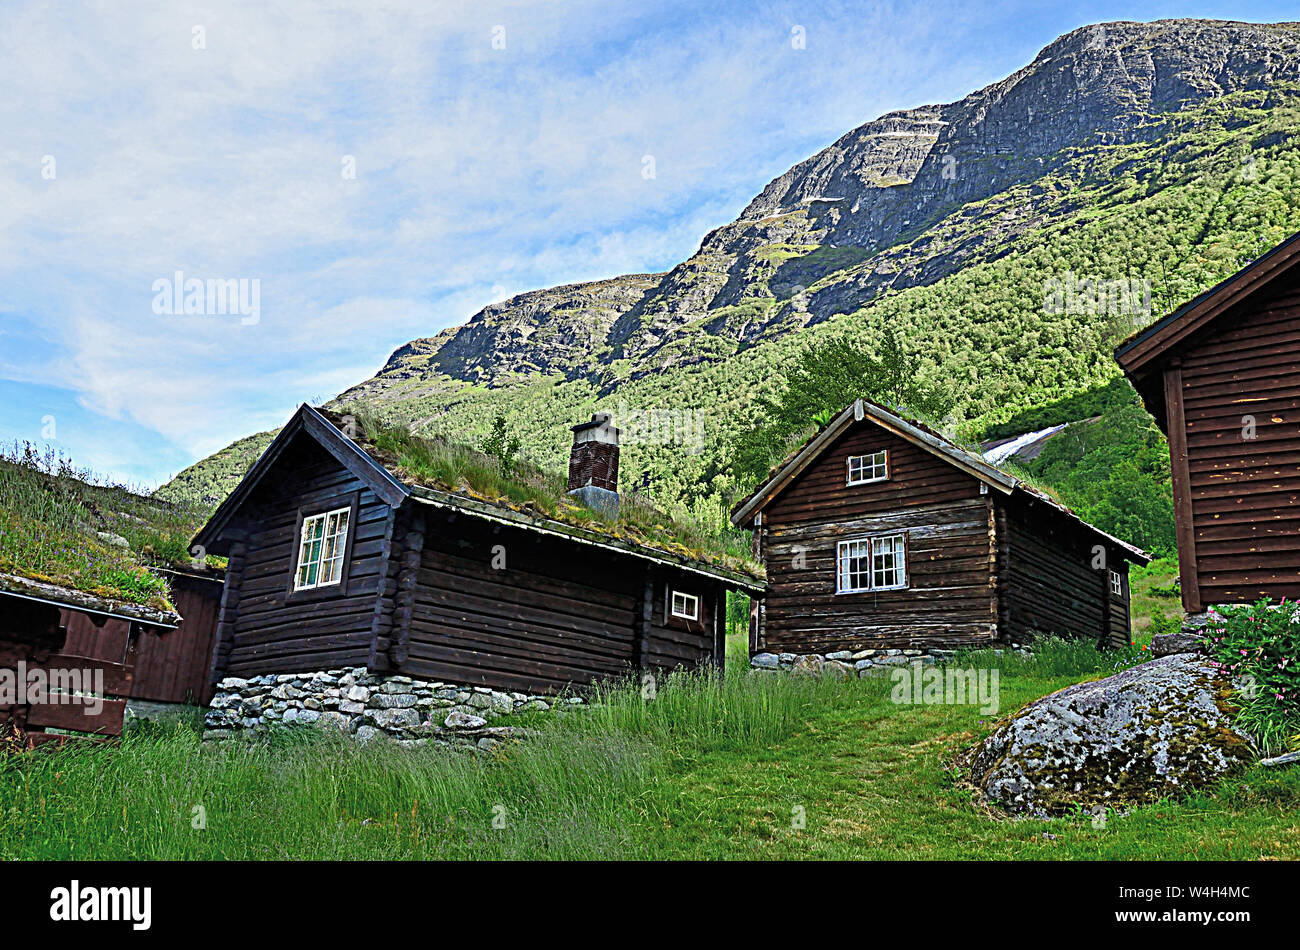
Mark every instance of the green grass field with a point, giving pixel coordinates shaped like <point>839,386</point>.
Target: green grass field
<point>749,768</point>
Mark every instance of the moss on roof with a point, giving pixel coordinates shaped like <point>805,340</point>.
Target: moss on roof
<point>62,526</point>
<point>458,469</point>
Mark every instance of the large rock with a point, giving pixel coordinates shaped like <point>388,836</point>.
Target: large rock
<point>1167,644</point>
<point>1161,728</point>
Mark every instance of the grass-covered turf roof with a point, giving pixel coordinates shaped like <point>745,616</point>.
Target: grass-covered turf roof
<point>61,526</point>
<point>443,464</point>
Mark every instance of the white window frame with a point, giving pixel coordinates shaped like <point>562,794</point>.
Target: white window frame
<point>874,547</point>
<point>872,467</point>
<point>333,548</point>
<point>688,600</point>
<point>1117,583</point>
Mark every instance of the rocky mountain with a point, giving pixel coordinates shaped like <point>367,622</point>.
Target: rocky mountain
<point>1162,153</point>
<point>857,219</point>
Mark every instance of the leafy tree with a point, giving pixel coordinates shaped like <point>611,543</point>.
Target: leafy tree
<point>827,376</point>
<point>502,448</point>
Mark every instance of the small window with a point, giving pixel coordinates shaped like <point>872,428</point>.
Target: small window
<point>888,562</point>
<point>869,564</point>
<point>320,552</point>
<point>685,606</point>
<point>1116,584</point>
<point>868,468</point>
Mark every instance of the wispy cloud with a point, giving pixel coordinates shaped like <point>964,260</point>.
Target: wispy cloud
<point>496,147</point>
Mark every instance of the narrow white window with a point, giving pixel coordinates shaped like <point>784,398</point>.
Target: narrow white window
<point>864,469</point>
<point>320,553</point>
<point>686,606</point>
<point>854,572</point>
<point>1116,584</point>
<point>888,562</point>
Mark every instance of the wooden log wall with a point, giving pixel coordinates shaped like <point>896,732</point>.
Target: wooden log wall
<point>169,667</point>
<point>673,643</point>
<point>557,613</point>
<point>1049,583</point>
<point>951,598</point>
<point>272,630</point>
<point>949,601</point>
<point>1243,494</point>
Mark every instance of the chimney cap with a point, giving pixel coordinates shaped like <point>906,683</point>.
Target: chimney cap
<point>598,420</point>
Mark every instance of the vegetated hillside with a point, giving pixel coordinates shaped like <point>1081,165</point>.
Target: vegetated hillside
<point>1163,154</point>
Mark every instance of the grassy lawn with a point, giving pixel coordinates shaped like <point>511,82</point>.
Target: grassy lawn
<point>1155,605</point>
<point>706,769</point>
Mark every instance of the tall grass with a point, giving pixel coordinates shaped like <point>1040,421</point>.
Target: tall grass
<point>1051,657</point>
<point>571,791</point>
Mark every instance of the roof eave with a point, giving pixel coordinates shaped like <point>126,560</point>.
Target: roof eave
<point>1144,348</point>
<point>24,588</point>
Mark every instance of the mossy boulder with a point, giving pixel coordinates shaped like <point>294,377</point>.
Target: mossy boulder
<point>1159,729</point>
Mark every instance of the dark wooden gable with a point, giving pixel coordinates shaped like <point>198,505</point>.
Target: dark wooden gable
<point>267,625</point>
<point>215,536</point>
<point>916,477</point>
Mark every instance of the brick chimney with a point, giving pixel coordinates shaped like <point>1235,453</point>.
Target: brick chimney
<point>593,464</point>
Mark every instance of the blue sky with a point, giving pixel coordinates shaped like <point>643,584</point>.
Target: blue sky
<point>497,148</point>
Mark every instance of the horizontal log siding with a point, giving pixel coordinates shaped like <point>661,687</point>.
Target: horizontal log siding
<point>1245,494</point>
<point>274,633</point>
<point>1050,585</point>
<point>677,643</point>
<point>949,600</point>
<point>916,479</point>
<point>558,614</point>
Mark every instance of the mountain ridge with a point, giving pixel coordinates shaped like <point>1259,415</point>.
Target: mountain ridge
<point>1118,152</point>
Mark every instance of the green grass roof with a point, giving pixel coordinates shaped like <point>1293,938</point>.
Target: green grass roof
<point>61,526</point>
<point>458,469</point>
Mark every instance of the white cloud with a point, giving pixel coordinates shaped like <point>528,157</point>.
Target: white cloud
<point>478,170</point>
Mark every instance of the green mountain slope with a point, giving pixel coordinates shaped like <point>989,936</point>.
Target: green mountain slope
<point>1162,155</point>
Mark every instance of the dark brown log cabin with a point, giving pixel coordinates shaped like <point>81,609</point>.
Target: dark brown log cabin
<point>34,637</point>
<point>1221,375</point>
<point>879,533</point>
<point>441,585</point>
<point>170,668</point>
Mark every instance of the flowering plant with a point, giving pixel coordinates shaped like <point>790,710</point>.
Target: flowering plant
<point>1259,647</point>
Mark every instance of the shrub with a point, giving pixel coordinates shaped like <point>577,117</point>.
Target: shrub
<point>1259,646</point>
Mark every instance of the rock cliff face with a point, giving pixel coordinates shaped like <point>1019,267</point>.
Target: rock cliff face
<point>1114,152</point>
<point>861,217</point>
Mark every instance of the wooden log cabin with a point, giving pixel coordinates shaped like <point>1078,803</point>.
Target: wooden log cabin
<point>34,640</point>
<point>881,534</point>
<point>171,666</point>
<point>1221,376</point>
<point>336,561</point>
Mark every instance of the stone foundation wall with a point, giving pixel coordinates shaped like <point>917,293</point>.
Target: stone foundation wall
<point>371,706</point>
<point>843,663</point>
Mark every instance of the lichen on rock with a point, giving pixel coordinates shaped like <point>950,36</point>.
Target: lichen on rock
<point>1159,729</point>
